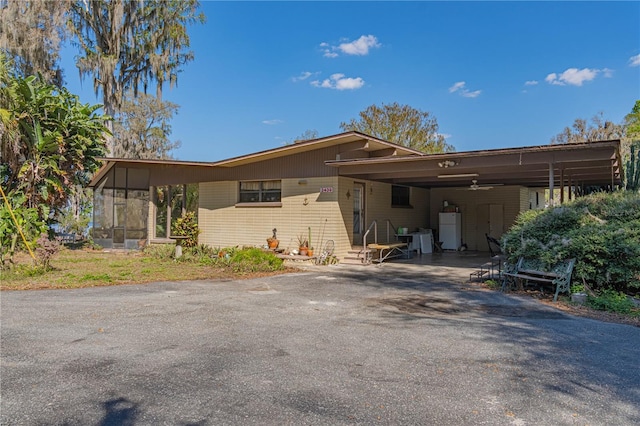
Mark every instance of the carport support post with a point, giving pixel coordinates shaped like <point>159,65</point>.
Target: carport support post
<point>561,186</point>
<point>551,185</point>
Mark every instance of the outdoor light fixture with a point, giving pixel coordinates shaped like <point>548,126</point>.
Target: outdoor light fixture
<point>447,164</point>
<point>461,175</point>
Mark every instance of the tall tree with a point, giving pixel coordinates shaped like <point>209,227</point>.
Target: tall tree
<point>51,141</point>
<point>142,127</point>
<point>31,33</point>
<point>598,129</point>
<point>132,44</point>
<point>631,148</point>
<point>306,135</point>
<point>632,122</point>
<point>401,124</point>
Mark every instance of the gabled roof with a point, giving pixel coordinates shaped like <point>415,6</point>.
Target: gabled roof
<point>359,140</point>
<point>593,163</point>
<point>355,141</point>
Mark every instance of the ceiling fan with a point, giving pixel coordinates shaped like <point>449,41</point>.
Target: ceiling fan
<point>475,187</point>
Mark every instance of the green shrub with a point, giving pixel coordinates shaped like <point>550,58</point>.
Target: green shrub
<point>601,231</point>
<point>254,260</point>
<point>187,226</point>
<point>493,284</point>
<point>15,219</point>
<point>612,301</point>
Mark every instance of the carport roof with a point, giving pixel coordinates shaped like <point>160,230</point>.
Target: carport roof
<point>590,163</point>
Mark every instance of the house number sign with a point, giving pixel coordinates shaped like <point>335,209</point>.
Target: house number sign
<point>326,189</point>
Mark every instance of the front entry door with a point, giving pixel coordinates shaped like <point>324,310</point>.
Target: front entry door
<point>358,213</point>
<point>490,220</point>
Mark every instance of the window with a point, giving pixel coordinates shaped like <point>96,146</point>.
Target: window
<point>400,196</point>
<point>260,192</point>
<point>171,204</point>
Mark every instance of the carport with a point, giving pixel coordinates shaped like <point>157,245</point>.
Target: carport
<point>556,167</point>
<point>493,186</point>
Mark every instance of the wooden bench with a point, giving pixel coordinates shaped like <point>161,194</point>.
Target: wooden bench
<point>558,275</point>
<point>389,251</point>
<point>66,238</point>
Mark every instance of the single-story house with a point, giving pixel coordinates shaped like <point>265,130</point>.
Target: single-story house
<point>339,186</point>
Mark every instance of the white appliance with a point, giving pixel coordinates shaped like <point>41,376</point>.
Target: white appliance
<point>426,241</point>
<point>450,230</point>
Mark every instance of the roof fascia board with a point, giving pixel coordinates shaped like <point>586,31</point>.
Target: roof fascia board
<point>486,153</point>
<point>312,144</point>
<point>103,170</point>
<point>156,161</point>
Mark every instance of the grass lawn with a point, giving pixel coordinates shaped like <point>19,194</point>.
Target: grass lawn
<point>88,268</point>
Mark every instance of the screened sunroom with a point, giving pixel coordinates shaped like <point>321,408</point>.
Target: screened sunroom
<point>128,213</point>
<point>121,208</point>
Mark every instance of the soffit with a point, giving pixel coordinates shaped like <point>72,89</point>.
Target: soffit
<point>595,163</point>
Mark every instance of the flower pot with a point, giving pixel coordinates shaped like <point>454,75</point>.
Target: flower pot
<point>303,251</point>
<point>310,252</point>
<point>273,243</point>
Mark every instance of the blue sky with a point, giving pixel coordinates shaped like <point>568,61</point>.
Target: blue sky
<point>494,74</point>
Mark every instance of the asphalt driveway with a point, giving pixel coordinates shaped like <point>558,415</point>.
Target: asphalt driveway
<point>339,345</point>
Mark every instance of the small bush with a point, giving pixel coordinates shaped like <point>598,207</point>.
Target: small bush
<point>254,260</point>
<point>187,226</point>
<point>493,284</point>
<point>46,249</point>
<point>612,301</point>
<point>577,288</point>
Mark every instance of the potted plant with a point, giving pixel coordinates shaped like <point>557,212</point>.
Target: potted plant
<point>310,247</point>
<point>273,241</point>
<point>303,245</point>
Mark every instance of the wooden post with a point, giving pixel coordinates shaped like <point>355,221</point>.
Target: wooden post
<point>551,202</point>
<point>562,186</point>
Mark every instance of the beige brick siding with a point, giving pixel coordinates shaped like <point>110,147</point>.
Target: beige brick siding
<point>225,224</point>
<point>329,214</point>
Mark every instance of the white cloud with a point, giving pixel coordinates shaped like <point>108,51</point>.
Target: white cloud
<point>461,88</point>
<point>359,47</point>
<point>607,73</point>
<point>457,86</point>
<point>473,94</point>
<point>634,61</point>
<point>329,54</point>
<point>338,81</point>
<point>574,76</point>
<point>531,83</point>
<point>303,76</point>
<point>272,122</point>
